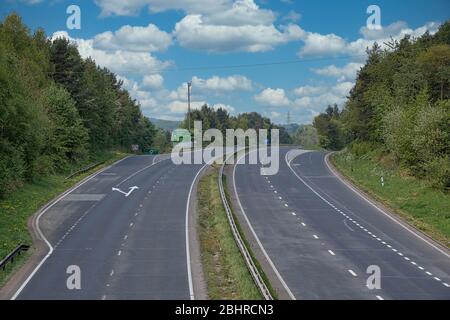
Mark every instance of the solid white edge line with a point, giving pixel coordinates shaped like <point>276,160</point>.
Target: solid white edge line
<point>188,252</point>
<point>41,234</point>
<point>381,210</point>
<point>254,233</point>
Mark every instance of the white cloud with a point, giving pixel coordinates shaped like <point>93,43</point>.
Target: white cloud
<point>343,88</point>
<point>226,107</point>
<point>303,102</point>
<point>118,61</point>
<point>275,115</point>
<point>347,72</point>
<point>385,32</point>
<point>272,98</point>
<point>316,44</point>
<point>292,16</point>
<point>192,32</point>
<point>181,107</point>
<point>133,7</point>
<point>209,25</point>
<point>128,38</point>
<point>153,81</point>
<point>218,84</point>
<point>309,90</point>
<point>317,98</point>
<point>242,12</point>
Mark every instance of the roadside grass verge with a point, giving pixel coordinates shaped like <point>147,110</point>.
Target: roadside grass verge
<point>247,244</point>
<point>414,200</point>
<point>224,267</point>
<point>18,206</point>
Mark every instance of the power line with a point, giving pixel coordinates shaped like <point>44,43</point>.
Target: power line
<point>241,66</point>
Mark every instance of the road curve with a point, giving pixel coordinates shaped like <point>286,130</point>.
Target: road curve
<point>127,247</point>
<point>321,236</point>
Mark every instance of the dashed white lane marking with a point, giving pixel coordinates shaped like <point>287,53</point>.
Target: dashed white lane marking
<point>131,224</point>
<point>111,273</point>
<point>315,237</point>
<point>275,191</point>
<point>352,272</point>
<point>286,205</point>
<point>119,253</point>
<point>280,198</point>
<point>331,252</point>
<point>303,224</point>
<point>294,214</point>
<point>379,297</point>
<point>103,297</point>
<point>125,237</point>
<point>367,231</point>
<point>446,284</point>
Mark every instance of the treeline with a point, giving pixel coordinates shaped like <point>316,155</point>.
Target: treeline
<point>222,120</point>
<point>399,106</point>
<point>57,109</point>
<point>306,137</point>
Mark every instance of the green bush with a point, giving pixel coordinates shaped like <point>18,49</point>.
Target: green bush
<point>438,172</point>
<point>361,148</point>
<point>12,167</point>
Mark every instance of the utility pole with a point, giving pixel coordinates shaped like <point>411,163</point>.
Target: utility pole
<point>189,85</point>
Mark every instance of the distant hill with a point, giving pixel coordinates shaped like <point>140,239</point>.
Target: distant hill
<point>290,128</point>
<point>168,125</point>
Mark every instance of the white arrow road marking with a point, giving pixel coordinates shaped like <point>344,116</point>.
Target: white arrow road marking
<point>126,193</point>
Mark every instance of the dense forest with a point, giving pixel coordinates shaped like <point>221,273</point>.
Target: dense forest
<point>222,120</point>
<point>399,108</point>
<point>58,109</point>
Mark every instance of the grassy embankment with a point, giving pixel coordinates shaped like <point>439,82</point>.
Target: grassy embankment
<point>225,270</point>
<point>426,208</point>
<point>18,206</point>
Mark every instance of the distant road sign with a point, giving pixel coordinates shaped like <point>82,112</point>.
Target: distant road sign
<point>135,147</point>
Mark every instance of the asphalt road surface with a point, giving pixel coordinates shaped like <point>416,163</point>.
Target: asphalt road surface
<point>321,236</point>
<point>128,243</point>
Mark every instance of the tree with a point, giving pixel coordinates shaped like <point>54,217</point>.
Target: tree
<point>67,139</point>
<point>435,63</point>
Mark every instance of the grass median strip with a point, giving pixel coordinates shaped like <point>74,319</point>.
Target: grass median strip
<point>412,199</point>
<point>225,270</point>
<point>18,206</point>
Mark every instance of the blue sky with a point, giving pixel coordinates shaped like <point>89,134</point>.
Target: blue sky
<point>156,46</point>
